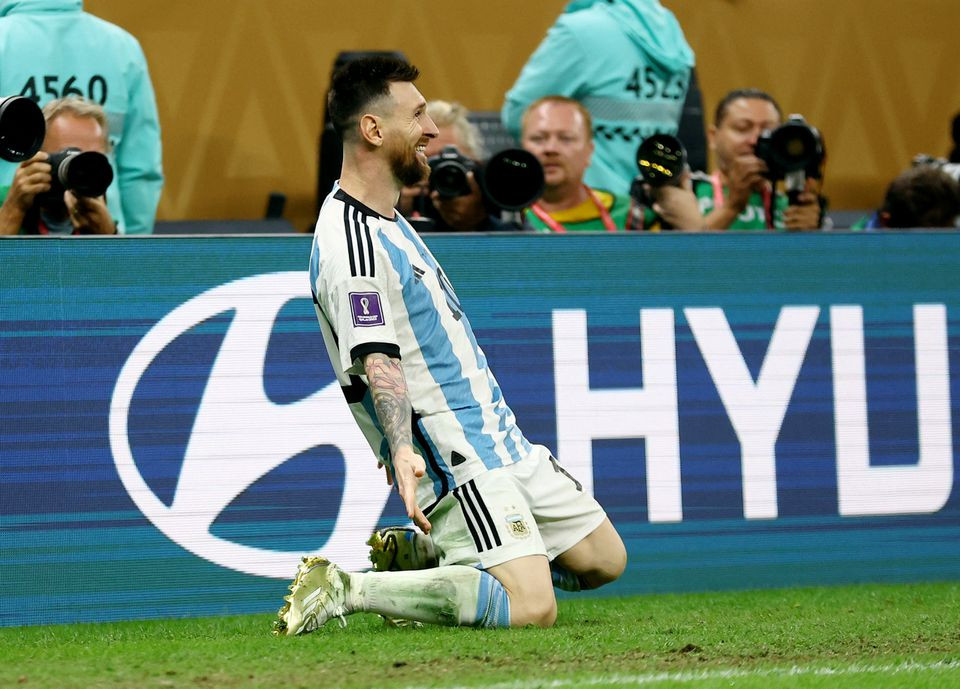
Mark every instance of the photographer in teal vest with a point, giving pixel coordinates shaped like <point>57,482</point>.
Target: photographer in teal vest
<point>52,49</point>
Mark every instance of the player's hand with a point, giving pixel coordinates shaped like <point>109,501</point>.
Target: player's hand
<point>388,471</point>
<point>89,215</point>
<point>408,469</point>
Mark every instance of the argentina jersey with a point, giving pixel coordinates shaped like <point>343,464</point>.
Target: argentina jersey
<point>377,288</point>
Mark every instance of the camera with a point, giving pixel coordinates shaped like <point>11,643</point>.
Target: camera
<point>85,173</point>
<point>509,180</point>
<point>792,152</point>
<point>661,161</point>
<point>21,129</point>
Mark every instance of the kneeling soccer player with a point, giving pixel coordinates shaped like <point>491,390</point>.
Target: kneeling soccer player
<point>506,520</point>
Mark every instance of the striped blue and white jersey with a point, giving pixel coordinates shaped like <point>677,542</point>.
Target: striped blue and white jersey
<point>377,288</point>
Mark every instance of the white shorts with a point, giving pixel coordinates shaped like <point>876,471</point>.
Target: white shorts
<point>532,507</point>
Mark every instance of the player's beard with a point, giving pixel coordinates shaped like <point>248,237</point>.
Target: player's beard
<point>407,166</point>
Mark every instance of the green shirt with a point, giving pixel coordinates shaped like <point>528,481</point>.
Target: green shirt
<point>753,217</point>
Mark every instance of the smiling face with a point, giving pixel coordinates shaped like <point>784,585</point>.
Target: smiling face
<point>736,134</point>
<point>556,133</point>
<point>407,131</point>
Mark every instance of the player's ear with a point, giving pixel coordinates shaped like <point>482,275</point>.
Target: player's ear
<point>370,129</point>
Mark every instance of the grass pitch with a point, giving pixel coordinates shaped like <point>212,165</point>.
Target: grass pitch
<point>844,637</point>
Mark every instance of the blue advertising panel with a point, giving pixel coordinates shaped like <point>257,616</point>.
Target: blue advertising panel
<point>752,411</point>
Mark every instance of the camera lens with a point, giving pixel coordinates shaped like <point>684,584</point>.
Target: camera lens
<point>661,159</point>
<point>449,179</point>
<point>21,129</point>
<point>85,173</point>
<point>513,179</point>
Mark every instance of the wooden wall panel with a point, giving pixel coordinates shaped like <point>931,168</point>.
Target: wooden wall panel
<point>240,83</point>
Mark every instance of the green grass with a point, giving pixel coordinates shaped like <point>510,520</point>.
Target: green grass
<point>855,636</point>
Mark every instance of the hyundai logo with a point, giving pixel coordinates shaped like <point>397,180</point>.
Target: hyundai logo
<point>239,435</point>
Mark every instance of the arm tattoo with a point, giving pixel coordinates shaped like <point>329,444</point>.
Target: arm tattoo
<point>390,400</point>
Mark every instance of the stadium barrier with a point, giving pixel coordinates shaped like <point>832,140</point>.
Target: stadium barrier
<point>752,410</point>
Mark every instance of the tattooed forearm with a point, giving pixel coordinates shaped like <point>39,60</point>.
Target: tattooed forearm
<point>390,399</point>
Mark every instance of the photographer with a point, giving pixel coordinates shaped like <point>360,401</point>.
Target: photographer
<point>739,194</point>
<point>557,130</point>
<point>462,213</point>
<point>29,207</point>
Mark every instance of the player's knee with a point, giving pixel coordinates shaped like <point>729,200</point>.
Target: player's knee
<point>540,611</point>
<point>606,570</point>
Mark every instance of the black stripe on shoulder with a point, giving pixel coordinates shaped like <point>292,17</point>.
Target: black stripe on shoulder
<point>359,223</point>
<point>373,272</point>
<point>346,226</point>
<point>362,350</point>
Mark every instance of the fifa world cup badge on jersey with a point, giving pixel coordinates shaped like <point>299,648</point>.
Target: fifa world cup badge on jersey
<point>366,309</point>
<point>518,527</point>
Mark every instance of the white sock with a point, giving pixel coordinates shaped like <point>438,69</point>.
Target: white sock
<point>452,595</point>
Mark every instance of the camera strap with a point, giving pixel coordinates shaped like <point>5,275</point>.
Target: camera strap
<point>767,199</point>
<point>556,226</point>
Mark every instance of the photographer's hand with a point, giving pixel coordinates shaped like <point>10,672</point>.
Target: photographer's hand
<point>89,215</point>
<point>678,205</point>
<point>744,176</point>
<point>805,214</point>
<point>462,213</point>
<point>31,178</point>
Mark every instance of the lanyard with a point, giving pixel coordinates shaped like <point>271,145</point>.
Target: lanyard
<point>718,198</point>
<point>557,227</point>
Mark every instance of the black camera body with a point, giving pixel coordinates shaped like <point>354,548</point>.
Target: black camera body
<point>792,152</point>
<point>85,173</point>
<point>448,173</point>
<point>509,180</point>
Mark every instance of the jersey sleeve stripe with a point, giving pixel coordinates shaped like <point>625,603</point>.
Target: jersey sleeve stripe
<point>362,350</point>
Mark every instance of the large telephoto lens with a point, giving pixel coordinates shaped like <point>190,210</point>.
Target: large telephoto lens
<point>21,129</point>
<point>512,179</point>
<point>661,159</point>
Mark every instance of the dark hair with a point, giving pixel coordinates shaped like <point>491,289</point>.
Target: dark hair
<point>360,82</point>
<point>923,196</point>
<point>737,94</point>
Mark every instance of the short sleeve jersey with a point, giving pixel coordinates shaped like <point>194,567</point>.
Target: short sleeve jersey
<point>377,288</point>
<point>753,217</point>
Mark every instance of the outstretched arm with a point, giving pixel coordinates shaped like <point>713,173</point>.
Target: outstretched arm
<point>394,411</point>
